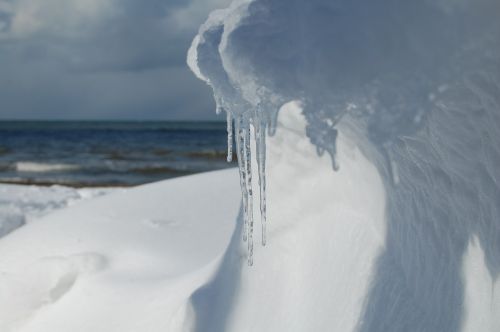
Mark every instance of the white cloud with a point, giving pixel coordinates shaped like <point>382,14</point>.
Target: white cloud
<point>190,17</point>
<point>5,6</point>
<point>100,56</point>
<point>55,17</point>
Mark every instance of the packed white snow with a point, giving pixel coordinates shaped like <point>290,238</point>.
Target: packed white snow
<point>128,261</point>
<point>22,204</point>
<point>169,256</point>
<point>395,228</point>
<point>316,269</point>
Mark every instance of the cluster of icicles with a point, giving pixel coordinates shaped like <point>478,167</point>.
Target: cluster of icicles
<point>241,136</point>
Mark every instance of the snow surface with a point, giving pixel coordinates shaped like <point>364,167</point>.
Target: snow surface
<point>482,299</point>
<point>124,262</point>
<point>395,73</point>
<point>415,85</point>
<point>169,256</point>
<point>23,204</point>
<point>404,236</point>
<point>326,229</point>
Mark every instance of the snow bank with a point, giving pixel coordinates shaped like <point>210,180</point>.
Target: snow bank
<point>326,229</point>
<point>22,204</point>
<point>170,257</point>
<point>415,86</point>
<point>402,237</point>
<point>482,300</point>
<point>124,262</point>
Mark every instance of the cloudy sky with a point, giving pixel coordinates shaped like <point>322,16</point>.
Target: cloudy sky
<point>101,59</point>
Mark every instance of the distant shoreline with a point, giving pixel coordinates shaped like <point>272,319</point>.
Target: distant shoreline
<point>110,124</point>
<point>75,185</point>
<point>113,121</point>
<point>108,154</point>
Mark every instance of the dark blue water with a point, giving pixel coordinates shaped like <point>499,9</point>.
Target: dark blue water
<point>108,153</point>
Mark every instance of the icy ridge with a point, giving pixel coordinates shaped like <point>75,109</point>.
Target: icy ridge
<point>384,69</point>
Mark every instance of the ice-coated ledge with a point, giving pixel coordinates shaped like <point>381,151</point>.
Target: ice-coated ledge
<point>415,85</point>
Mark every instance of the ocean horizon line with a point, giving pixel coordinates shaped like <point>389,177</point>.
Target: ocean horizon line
<point>108,121</point>
<point>9,125</point>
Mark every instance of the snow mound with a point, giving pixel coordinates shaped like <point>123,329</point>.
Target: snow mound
<point>23,204</point>
<point>169,256</point>
<point>415,86</point>
<point>43,283</point>
<point>322,246</point>
<point>128,261</point>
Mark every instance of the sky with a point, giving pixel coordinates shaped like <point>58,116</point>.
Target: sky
<point>101,59</point>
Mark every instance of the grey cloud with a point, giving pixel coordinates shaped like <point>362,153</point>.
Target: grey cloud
<point>151,8</point>
<point>5,21</point>
<point>126,61</point>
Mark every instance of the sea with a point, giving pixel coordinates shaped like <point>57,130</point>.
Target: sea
<point>108,154</point>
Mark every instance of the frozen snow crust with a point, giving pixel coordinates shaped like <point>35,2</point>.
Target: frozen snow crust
<point>416,86</point>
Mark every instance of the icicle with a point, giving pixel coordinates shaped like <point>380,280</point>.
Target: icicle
<point>241,165</point>
<point>244,154</point>
<point>394,171</point>
<point>260,140</point>
<point>273,120</point>
<point>391,164</point>
<point>229,137</point>
<point>333,150</point>
<point>218,105</point>
<point>249,192</point>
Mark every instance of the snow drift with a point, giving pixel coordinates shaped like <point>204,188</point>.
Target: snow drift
<point>416,85</point>
<point>169,257</point>
<point>403,236</point>
<point>20,205</point>
<point>125,262</point>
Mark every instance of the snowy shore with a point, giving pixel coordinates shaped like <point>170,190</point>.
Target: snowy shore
<point>124,262</point>
<point>169,256</point>
<point>20,204</point>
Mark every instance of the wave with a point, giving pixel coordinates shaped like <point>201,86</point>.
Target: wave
<point>209,154</point>
<point>66,183</point>
<point>35,167</point>
<point>4,150</point>
<point>122,168</point>
<point>105,174</point>
<point>159,170</point>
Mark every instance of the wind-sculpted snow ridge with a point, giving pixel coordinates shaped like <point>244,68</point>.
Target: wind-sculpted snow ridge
<point>418,85</point>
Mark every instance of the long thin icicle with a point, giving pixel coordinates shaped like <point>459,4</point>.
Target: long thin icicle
<point>244,154</point>
<point>247,154</point>
<point>218,105</point>
<point>260,140</point>
<point>229,137</point>
<point>241,165</point>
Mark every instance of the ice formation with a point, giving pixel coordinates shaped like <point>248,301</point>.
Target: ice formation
<point>417,86</point>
